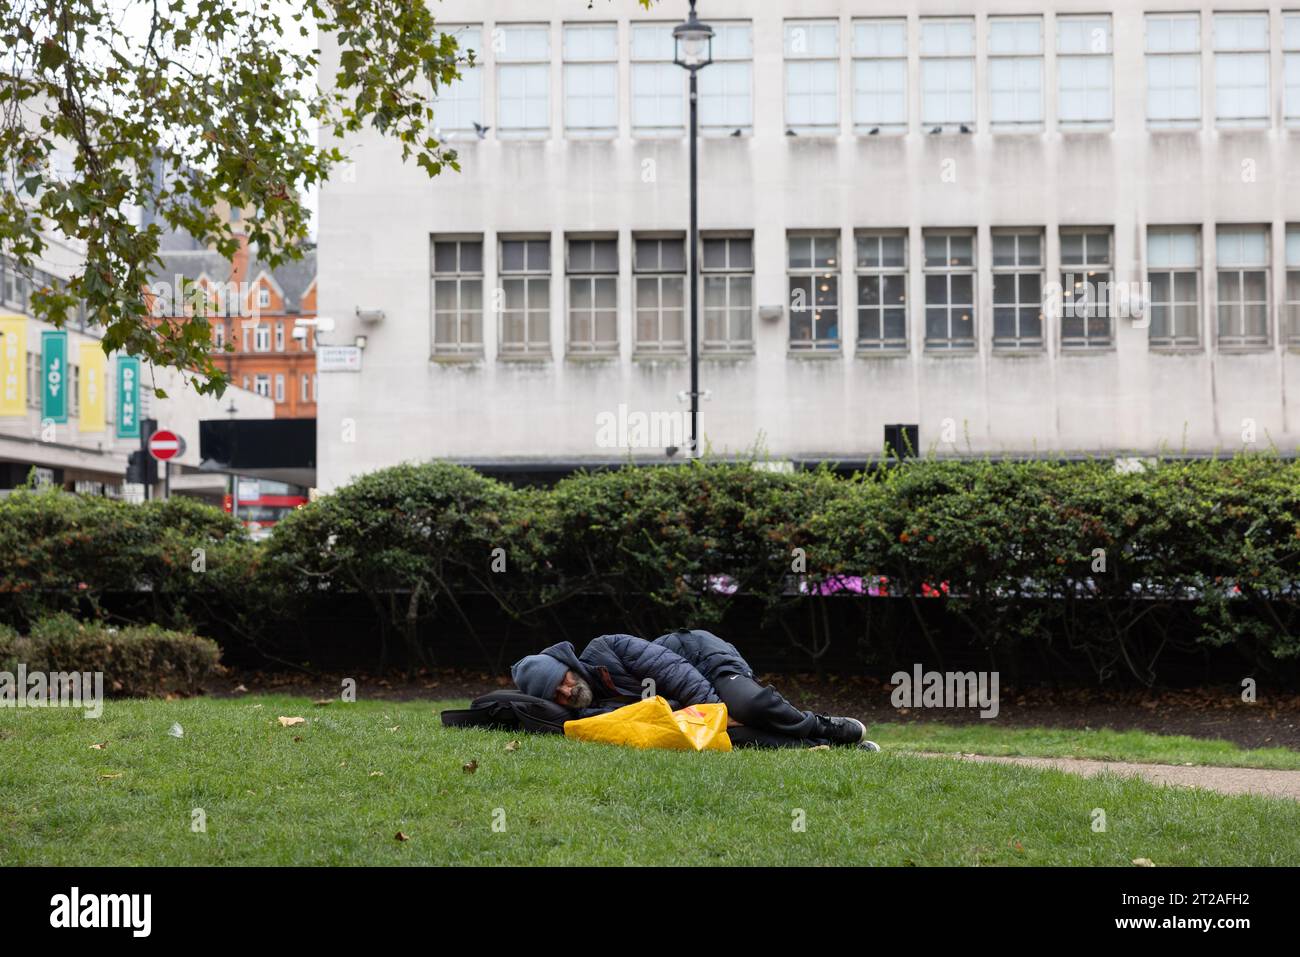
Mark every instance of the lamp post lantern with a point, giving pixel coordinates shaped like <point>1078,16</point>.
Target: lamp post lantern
<point>693,42</point>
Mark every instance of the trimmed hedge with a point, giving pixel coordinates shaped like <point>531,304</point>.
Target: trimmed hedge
<point>62,553</point>
<point>1119,567</point>
<point>135,661</point>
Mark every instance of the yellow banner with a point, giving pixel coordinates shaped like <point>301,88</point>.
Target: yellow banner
<point>94,367</point>
<point>13,366</point>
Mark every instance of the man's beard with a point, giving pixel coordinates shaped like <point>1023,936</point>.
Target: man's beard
<point>580,696</point>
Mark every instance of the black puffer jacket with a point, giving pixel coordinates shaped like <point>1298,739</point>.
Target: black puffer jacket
<point>710,655</point>
<point>616,665</point>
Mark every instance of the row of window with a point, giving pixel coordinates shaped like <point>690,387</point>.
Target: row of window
<point>261,384</point>
<point>879,50</point>
<point>1086,300</point>
<point>17,286</point>
<point>256,336</point>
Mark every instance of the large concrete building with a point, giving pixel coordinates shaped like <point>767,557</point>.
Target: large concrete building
<point>891,195</point>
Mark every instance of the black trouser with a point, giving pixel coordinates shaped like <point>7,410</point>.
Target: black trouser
<point>769,720</point>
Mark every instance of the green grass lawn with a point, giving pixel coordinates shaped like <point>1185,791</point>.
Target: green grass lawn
<point>363,772</point>
<point>1102,744</point>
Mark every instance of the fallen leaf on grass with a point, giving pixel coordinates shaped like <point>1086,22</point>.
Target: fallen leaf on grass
<point>820,747</point>
<point>512,746</point>
<point>1018,846</point>
<point>1143,862</point>
<point>395,727</point>
<point>290,722</point>
<point>376,774</point>
<point>470,768</point>
<point>99,747</point>
<point>177,731</point>
<point>117,775</point>
<point>401,837</point>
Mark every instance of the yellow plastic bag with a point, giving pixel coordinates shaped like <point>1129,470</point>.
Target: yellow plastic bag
<point>651,723</point>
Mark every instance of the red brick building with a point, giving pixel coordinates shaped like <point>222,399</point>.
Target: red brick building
<point>256,325</point>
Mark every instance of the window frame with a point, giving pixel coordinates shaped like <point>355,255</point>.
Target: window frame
<point>635,61</point>
<point>1017,58</point>
<point>1173,342</point>
<point>1097,309</point>
<point>861,58</point>
<point>1240,53</point>
<point>658,274</point>
<point>1194,54</point>
<point>529,348</point>
<point>463,346</point>
<point>726,63</point>
<point>1242,341</point>
<point>593,65</point>
<point>947,124</point>
<point>880,345</point>
<point>950,344</point>
<point>1107,57</point>
<point>1290,41</point>
<point>814,345</point>
<point>531,65</point>
<point>594,278</point>
<point>830,63</point>
<point>1019,343</point>
<point>732,275</point>
<point>462,126</point>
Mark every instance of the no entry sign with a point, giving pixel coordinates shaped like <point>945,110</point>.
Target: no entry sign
<point>165,444</point>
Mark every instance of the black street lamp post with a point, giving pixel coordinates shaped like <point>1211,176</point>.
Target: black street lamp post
<point>693,42</point>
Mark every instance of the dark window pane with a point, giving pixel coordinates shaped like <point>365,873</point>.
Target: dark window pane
<point>512,256</point>
<point>1071,248</point>
<point>891,255</point>
<point>800,252</point>
<point>895,290</point>
<point>444,257</point>
<point>895,324</point>
<point>1031,287</point>
<point>715,254</point>
<point>936,250</point>
<point>471,257</point>
<point>647,254</point>
<point>742,254</point>
<point>1159,286</point>
<point>605,255</point>
<point>1031,323</point>
<point>868,290</point>
<point>868,252</point>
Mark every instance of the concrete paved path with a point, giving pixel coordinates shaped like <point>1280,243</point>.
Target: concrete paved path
<point>1261,781</point>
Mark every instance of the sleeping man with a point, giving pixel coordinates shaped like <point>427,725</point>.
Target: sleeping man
<point>685,667</point>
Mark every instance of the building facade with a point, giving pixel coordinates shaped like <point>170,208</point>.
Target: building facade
<point>84,449</point>
<point>262,318</point>
<point>1023,228</point>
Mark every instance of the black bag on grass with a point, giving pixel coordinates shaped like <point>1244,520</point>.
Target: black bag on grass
<point>511,711</point>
